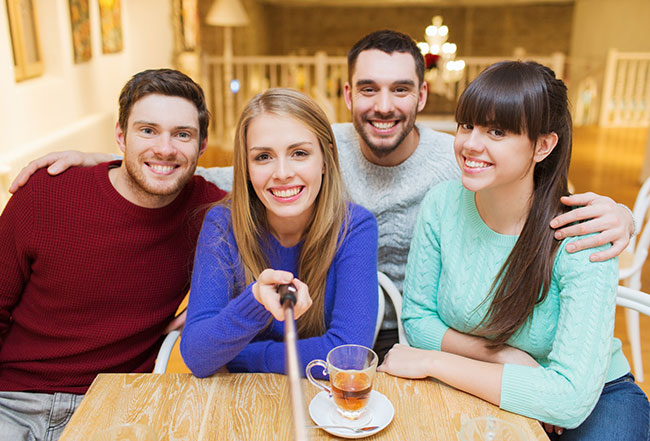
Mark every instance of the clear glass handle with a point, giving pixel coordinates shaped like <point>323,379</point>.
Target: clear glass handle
<point>312,380</point>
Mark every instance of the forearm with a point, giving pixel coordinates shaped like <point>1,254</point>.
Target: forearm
<point>475,377</point>
<point>211,339</point>
<point>470,346</point>
<point>472,376</point>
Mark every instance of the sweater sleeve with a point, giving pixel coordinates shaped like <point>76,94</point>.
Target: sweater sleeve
<point>220,176</point>
<point>565,389</point>
<point>16,225</point>
<point>423,326</point>
<point>354,308</point>
<point>218,327</point>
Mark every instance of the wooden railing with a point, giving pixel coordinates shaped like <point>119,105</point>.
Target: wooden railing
<point>320,76</point>
<point>626,90</point>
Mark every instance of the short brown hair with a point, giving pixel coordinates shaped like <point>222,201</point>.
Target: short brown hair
<point>168,82</point>
<point>387,41</point>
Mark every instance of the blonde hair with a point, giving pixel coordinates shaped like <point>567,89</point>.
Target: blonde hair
<point>321,237</point>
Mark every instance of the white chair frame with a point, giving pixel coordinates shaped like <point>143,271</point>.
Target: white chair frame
<point>631,276</point>
<point>393,293</point>
<point>165,351</point>
<point>633,299</point>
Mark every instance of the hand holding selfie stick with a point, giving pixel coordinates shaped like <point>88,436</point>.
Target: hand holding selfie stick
<point>288,300</point>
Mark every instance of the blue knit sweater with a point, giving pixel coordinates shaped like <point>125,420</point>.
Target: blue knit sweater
<point>227,326</point>
<point>453,261</point>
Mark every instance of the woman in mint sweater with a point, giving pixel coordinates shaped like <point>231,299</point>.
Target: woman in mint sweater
<point>493,304</point>
<point>286,220</point>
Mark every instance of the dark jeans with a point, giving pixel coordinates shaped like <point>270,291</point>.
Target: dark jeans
<point>385,340</point>
<point>622,413</point>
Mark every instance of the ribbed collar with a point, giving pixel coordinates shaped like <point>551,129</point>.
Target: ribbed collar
<point>468,204</point>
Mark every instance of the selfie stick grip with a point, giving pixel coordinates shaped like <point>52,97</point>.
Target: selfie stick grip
<point>288,300</point>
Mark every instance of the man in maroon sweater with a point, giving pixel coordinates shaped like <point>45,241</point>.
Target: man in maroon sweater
<point>94,262</point>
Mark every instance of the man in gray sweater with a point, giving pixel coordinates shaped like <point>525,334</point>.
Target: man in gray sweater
<point>389,162</point>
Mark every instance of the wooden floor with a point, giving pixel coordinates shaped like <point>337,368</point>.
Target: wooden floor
<point>606,161</point>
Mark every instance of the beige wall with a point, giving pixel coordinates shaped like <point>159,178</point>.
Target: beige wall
<point>74,105</point>
<point>599,25</point>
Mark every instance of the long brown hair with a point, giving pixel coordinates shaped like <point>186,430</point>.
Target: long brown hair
<point>321,237</point>
<point>524,97</point>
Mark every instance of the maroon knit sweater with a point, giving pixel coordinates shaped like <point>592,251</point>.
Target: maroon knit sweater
<point>88,280</point>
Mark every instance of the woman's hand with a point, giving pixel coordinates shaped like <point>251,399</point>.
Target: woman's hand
<point>265,291</point>
<point>56,163</point>
<point>407,362</point>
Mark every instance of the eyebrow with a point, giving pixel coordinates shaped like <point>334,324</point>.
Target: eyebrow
<point>295,144</point>
<point>149,123</point>
<point>365,82</point>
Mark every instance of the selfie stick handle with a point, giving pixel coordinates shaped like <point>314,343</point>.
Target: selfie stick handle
<point>288,300</point>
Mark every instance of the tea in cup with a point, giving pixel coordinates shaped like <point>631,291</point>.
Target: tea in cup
<point>351,369</point>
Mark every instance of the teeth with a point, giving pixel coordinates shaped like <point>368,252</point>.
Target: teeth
<point>382,125</point>
<point>476,164</point>
<point>161,168</point>
<point>286,193</point>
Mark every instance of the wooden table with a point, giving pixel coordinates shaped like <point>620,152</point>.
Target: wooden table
<point>256,407</point>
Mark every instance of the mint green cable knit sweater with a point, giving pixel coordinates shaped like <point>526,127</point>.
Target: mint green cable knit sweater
<point>453,260</point>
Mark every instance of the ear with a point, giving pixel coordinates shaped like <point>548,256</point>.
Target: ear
<point>423,94</point>
<point>119,137</point>
<point>544,146</point>
<point>347,95</point>
<point>203,146</point>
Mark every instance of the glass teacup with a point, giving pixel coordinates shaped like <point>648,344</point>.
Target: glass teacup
<point>351,369</point>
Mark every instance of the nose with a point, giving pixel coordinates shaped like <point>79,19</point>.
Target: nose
<point>164,146</point>
<point>384,103</point>
<point>283,169</point>
<point>473,141</point>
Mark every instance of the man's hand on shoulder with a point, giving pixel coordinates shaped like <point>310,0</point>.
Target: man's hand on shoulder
<point>597,214</point>
<point>58,162</point>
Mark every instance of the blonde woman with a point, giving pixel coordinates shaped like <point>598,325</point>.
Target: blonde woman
<point>286,220</point>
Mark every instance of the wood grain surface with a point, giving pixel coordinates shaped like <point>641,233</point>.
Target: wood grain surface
<point>256,407</point>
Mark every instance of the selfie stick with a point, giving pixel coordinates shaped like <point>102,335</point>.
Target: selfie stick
<point>288,300</point>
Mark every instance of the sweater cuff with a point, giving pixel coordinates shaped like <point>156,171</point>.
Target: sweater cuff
<point>429,339</point>
<point>514,397</point>
<point>249,307</point>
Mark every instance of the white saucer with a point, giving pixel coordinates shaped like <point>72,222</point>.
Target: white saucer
<point>323,411</point>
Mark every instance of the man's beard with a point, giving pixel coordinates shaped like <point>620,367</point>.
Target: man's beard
<point>140,184</point>
<point>379,150</point>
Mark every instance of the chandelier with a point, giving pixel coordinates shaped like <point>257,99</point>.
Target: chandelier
<point>442,68</point>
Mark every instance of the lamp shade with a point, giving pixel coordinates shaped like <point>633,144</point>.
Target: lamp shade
<point>227,13</point>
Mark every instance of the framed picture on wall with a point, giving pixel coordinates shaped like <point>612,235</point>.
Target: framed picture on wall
<point>110,13</point>
<point>25,41</point>
<point>80,26</point>
<point>186,25</point>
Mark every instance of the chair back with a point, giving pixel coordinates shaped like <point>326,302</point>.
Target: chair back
<point>639,244</point>
<point>633,299</point>
<point>387,286</point>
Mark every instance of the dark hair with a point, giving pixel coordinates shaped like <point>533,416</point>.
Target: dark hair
<point>524,97</point>
<point>168,82</point>
<point>387,41</point>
